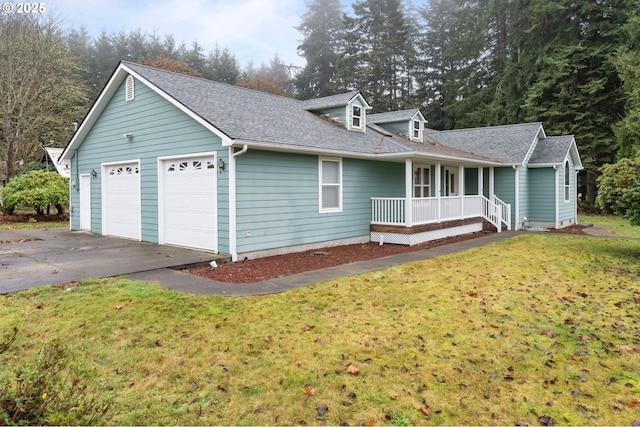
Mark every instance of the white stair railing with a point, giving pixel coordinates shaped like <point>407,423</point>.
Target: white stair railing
<point>505,210</point>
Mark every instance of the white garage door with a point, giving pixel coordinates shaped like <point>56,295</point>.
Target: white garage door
<point>121,201</point>
<point>188,207</point>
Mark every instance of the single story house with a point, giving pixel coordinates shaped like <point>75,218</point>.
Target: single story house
<point>168,158</point>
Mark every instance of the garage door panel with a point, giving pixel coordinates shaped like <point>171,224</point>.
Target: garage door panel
<point>190,202</point>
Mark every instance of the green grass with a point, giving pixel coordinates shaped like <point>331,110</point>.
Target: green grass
<point>536,325</point>
<point>615,224</point>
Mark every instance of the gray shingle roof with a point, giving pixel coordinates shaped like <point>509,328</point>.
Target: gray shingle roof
<point>392,116</point>
<point>329,101</point>
<point>251,115</point>
<point>506,144</point>
<point>263,118</point>
<point>552,150</point>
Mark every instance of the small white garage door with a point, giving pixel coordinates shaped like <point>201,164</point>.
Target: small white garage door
<point>188,215</point>
<point>121,201</point>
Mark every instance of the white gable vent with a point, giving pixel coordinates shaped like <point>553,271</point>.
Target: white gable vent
<point>129,90</point>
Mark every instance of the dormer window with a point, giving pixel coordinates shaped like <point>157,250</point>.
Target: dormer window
<point>416,131</point>
<point>129,89</point>
<point>356,116</point>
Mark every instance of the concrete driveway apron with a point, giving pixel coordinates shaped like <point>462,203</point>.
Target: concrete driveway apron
<point>54,256</point>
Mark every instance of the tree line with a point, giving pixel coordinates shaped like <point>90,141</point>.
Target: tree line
<point>572,64</point>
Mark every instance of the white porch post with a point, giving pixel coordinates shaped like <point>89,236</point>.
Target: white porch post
<point>461,189</point>
<point>480,179</point>
<point>438,191</point>
<point>491,182</point>
<point>408,203</point>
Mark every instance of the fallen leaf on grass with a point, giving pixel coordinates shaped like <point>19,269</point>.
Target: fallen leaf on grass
<point>322,410</point>
<point>546,420</point>
<point>119,307</point>
<point>353,370</point>
<point>426,410</point>
<point>547,332</point>
<point>309,390</point>
<point>583,337</point>
<point>626,349</point>
<point>634,403</point>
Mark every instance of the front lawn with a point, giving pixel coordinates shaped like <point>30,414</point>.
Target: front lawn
<point>535,329</point>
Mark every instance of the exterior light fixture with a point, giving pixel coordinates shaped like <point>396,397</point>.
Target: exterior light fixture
<point>128,136</point>
<point>94,174</point>
<point>221,164</point>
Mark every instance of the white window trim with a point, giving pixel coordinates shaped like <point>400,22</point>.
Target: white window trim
<point>412,129</point>
<point>350,117</point>
<point>321,184</point>
<point>129,92</point>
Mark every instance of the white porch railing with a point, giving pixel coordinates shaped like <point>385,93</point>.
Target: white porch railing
<point>392,210</point>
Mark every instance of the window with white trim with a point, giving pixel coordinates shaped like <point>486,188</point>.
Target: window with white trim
<point>567,181</point>
<point>421,181</point>
<point>330,185</point>
<point>416,131</point>
<point>356,116</point>
<point>129,89</point>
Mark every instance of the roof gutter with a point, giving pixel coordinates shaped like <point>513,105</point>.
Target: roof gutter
<point>368,156</point>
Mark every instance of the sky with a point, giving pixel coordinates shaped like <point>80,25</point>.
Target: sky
<point>252,30</point>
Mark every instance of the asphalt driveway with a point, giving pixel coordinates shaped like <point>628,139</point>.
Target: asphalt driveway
<point>34,258</point>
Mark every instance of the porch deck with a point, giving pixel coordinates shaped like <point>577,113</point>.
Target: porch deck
<point>417,220</point>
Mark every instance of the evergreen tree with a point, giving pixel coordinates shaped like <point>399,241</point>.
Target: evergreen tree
<point>222,66</point>
<point>627,63</point>
<point>323,30</point>
<point>380,53</point>
<point>449,67</point>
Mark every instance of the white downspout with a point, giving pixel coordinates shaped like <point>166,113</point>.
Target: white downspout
<point>575,197</point>
<point>461,189</point>
<point>517,196</point>
<point>557,202</point>
<point>233,232</point>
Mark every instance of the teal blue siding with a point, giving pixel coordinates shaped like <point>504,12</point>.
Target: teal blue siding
<point>470,181</point>
<point>159,129</point>
<point>542,195</point>
<point>400,128</point>
<point>504,187</point>
<point>278,199</point>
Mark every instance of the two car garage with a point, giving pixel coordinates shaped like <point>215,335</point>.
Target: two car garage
<point>186,201</point>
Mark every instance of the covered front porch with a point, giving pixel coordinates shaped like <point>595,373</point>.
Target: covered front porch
<point>440,201</point>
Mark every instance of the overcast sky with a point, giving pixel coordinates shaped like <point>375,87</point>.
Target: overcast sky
<point>252,30</point>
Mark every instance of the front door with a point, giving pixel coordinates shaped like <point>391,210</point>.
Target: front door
<point>85,202</point>
<point>450,182</point>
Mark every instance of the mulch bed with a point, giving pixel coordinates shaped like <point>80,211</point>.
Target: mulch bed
<point>255,270</point>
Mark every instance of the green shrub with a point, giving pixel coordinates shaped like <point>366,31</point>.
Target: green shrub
<point>53,390</point>
<point>37,190</point>
<point>619,189</point>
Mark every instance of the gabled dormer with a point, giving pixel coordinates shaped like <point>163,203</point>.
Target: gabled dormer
<point>407,123</point>
<point>348,109</point>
